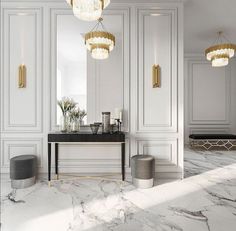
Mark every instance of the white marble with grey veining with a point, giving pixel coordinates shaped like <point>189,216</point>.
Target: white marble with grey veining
<point>204,201</point>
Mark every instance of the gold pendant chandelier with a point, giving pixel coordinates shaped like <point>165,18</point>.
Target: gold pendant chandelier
<point>88,10</point>
<point>220,53</point>
<point>99,42</point>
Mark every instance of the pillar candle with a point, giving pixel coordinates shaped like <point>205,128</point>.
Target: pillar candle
<point>118,113</point>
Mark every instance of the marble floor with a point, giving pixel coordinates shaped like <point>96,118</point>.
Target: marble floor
<point>204,201</point>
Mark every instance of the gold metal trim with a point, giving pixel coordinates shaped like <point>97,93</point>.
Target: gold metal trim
<point>102,2</point>
<point>102,46</point>
<point>99,34</point>
<point>156,72</point>
<point>22,76</point>
<point>219,47</point>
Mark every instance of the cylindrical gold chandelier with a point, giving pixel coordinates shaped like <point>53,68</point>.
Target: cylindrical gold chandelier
<point>88,10</point>
<point>99,42</point>
<point>220,53</point>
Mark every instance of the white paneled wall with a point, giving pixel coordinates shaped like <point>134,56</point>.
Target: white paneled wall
<point>159,121</point>
<point>210,102</point>
<point>157,107</point>
<point>22,44</point>
<point>151,34</point>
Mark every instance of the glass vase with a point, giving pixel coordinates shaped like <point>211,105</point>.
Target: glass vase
<point>64,123</point>
<point>75,126</point>
<point>81,122</point>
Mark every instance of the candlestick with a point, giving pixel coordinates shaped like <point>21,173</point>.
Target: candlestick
<point>119,122</point>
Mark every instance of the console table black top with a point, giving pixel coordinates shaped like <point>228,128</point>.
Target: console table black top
<point>85,137</point>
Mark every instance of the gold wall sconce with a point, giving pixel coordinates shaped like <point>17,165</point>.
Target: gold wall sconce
<point>156,78</point>
<point>22,76</point>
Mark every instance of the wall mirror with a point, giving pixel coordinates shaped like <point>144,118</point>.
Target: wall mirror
<point>96,85</point>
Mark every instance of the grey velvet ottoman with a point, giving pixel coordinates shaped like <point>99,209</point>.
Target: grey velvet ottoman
<point>143,171</point>
<point>23,171</point>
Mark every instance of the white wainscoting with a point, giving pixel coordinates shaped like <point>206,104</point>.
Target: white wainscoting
<point>165,152</point>
<point>210,97</point>
<point>86,157</point>
<point>11,147</point>
<point>153,117</point>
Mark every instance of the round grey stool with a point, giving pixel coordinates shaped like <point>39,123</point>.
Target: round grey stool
<point>23,171</point>
<point>143,171</point>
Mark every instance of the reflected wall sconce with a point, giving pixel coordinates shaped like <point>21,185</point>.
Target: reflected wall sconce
<point>22,76</point>
<point>156,78</point>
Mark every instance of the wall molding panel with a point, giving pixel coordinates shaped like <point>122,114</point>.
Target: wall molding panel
<point>209,107</point>
<point>193,119</point>
<point>164,151</point>
<point>22,108</point>
<point>21,146</point>
<point>151,115</point>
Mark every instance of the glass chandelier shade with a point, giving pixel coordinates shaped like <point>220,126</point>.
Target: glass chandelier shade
<point>88,10</point>
<point>220,54</point>
<point>99,42</point>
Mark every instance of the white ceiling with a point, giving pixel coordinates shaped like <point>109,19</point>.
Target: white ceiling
<point>202,20</point>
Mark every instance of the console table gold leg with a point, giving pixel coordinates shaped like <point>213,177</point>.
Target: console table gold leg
<point>49,183</point>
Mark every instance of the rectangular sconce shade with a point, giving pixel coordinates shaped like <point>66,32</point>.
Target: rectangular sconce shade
<point>156,71</point>
<point>22,76</point>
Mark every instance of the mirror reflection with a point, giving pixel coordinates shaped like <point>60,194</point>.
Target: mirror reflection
<point>95,85</point>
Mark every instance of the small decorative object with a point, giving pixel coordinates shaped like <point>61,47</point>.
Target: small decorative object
<point>220,53</point>
<point>99,42</point>
<point>118,117</point>
<point>66,105</point>
<point>88,10</point>
<point>113,128</point>
<point>82,114</point>
<point>22,76</point>
<point>106,122</point>
<point>119,122</point>
<point>94,127</point>
<point>118,113</point>
<point>156,71</point>
<point>74,119</point>
<point>112,121</point>
<point>112,125</point>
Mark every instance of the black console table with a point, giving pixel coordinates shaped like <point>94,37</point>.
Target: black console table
<point>59,137</point>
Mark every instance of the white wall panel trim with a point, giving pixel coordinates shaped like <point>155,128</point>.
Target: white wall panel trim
<point>7,124</point>
<point>35,144</point>
<point>168,159</point>
<point>193,121</point>
<point>172,125</point>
